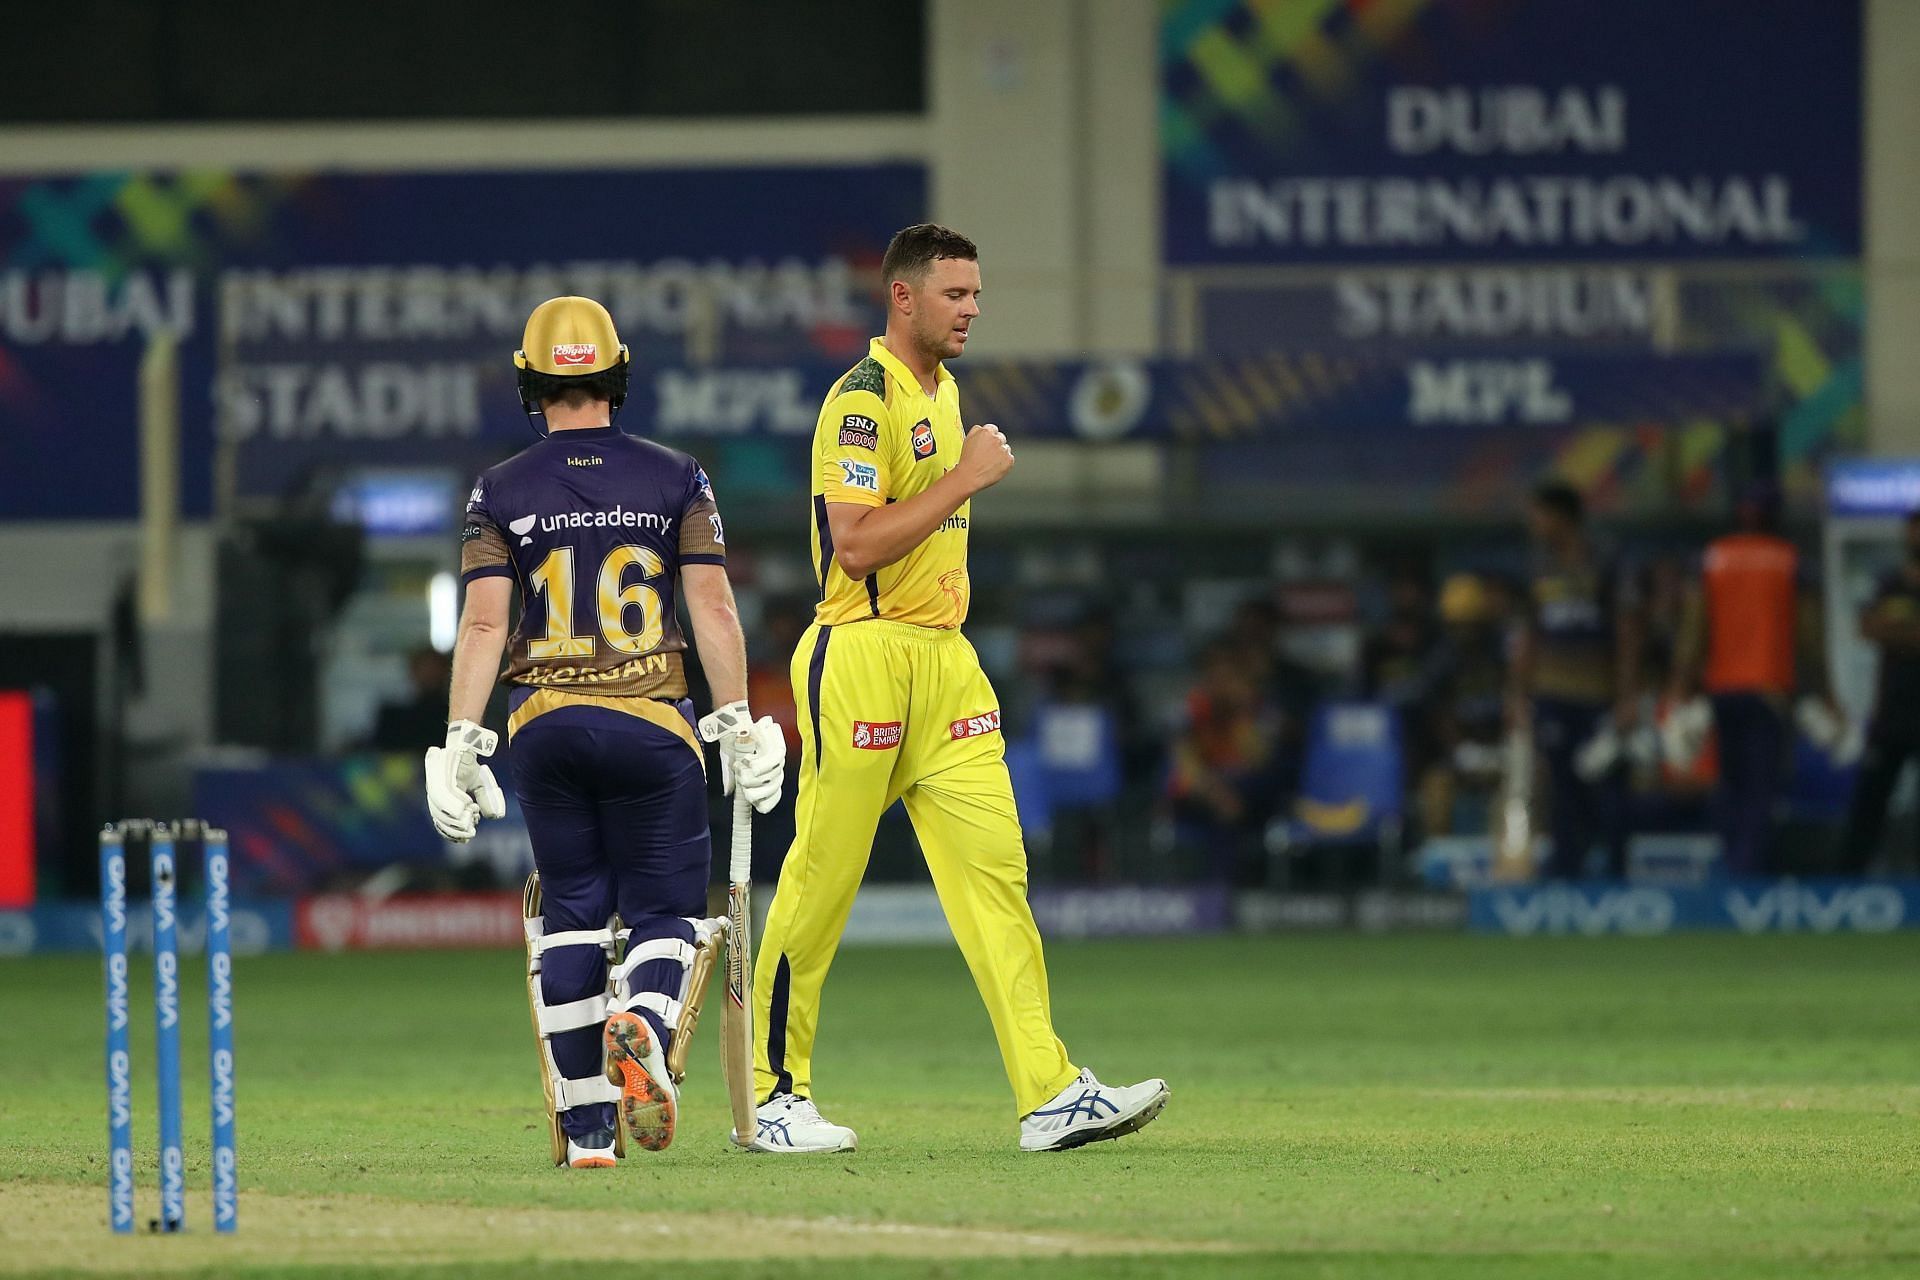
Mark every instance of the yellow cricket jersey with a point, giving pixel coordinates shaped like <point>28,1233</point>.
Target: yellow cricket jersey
<point>881,439</point>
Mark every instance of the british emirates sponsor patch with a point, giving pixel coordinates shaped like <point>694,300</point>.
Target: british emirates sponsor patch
<point>881,736</point>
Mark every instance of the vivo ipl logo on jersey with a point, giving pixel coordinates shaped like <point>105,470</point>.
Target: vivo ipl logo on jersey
<point>884,736</point>
<point>923,443</point>
<point>860,475</point>
<point>976,726</point>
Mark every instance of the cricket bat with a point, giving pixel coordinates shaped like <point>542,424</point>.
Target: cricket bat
<point>1513,815</point>
<point>736,1014</point>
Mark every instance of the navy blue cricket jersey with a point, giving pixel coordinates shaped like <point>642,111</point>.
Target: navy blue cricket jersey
<point>594,525</point>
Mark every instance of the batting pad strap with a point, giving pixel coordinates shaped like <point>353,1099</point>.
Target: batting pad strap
<point>584,1091</point>
<point>653,949</point>
<point>655,1002</point>
<point>574,938</point>
<point>555,1018</point>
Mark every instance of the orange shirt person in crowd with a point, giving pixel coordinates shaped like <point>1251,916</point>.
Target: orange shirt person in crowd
<point>1741,636</point>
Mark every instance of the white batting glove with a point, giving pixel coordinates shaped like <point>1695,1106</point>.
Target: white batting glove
<point>461,790</point>
<point>753,754</point>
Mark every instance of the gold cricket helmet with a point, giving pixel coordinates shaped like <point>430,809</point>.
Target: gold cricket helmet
<point>569,338</point>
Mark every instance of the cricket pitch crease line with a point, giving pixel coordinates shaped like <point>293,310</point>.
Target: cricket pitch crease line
<point>1879,1099</point>
<point>64,1226</point>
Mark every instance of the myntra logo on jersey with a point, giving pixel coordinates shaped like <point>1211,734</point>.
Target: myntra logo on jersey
<point>884,736</point>
<point>976,726</point>
<point>616,516</point>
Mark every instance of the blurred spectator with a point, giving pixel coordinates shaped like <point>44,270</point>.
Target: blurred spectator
<point>1739,637</point>
<point>1576,670</point>
<point>1396,659</point>
<point>1399,667</point>
<point>1892,621</point>
<point>1292,688</point>
<point>1461,717</point>
<point>1668,580</point>
<point>1222,783</point>
<point>419,721</point>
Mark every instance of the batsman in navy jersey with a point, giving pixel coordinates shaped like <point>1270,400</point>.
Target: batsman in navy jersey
<point>604,537</point>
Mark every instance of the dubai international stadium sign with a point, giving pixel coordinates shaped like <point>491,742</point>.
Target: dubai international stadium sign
<point>1442,130</point>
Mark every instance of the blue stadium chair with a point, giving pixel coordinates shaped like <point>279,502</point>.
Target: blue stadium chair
<point>1820,790</point>
<point>1030,797</point>
<point>1352,789</point>
<point>1079,750</point>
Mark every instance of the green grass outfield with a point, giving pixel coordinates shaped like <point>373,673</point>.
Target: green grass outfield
<point>1342,1106</point>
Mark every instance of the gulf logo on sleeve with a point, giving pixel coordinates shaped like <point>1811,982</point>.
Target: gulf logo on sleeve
<point>923,440</point>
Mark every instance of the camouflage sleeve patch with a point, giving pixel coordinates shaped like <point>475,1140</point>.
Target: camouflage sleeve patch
<point>866,376</point>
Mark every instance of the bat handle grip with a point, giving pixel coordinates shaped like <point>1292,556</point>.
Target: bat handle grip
<point>740,861</point>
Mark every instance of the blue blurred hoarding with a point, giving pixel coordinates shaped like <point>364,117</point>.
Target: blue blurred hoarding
<point>330,311</point>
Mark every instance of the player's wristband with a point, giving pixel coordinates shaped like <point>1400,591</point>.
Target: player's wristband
<point>733,718</point>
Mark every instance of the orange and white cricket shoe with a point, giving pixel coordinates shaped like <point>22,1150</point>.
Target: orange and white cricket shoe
<point>648,1101</point>
<point>596,1152</point>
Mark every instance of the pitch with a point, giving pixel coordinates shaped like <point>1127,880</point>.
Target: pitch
<point>1342,1106</point>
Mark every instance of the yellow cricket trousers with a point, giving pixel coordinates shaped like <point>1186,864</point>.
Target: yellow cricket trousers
<point>890,711</point>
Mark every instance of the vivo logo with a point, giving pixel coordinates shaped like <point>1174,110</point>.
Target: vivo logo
<point>117,992</point>
<point>119,1090</point>
<point>220,991</point>
<point>116,895</point>
<point>225,1187</point>
<point>163,917</point>
<point>123,1189</point>
<point>1788,907</point>
<point>166,990</point>
<point>217,904</point>
<point>1563,910</point>
<point>223,1087</point>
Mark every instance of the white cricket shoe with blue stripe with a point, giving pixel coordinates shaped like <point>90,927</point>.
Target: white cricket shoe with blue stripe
<point>1088,1111</point>
<point>791,1124</point>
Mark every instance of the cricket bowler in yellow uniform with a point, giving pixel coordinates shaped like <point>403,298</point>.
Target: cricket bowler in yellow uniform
<point>893,705</point>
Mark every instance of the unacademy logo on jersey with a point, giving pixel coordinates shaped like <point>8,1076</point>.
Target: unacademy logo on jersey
<point>522,527</point>
<point>613,518</point>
